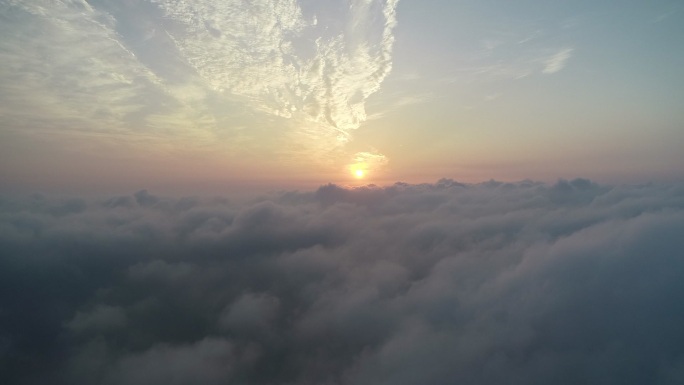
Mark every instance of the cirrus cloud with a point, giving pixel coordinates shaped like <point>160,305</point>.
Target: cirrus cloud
<point>557,61</point>
<point>159,70</point>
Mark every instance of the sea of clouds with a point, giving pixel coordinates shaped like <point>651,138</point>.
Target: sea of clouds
<point>444,283</point>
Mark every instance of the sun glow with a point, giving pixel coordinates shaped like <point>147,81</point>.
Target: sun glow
<point>358,170</point>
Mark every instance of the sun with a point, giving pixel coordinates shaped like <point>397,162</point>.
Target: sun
<point>358,170</point>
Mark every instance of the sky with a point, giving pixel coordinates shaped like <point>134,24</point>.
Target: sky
<point>341,192</point>
<point>205,95</point>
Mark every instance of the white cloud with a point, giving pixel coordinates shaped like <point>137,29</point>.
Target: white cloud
<point>558,61</point>
<point>317,63</point>
<point>68,70</point>
<point>184,72</point>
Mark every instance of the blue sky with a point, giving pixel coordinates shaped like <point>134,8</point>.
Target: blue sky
<point>298,93</point>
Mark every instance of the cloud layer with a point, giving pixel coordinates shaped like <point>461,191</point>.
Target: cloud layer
<point>410,284</point>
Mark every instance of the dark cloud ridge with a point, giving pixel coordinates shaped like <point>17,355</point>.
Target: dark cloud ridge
<point>444,283</point>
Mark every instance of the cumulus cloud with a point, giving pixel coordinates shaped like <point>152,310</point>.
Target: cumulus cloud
<point>490,283</point>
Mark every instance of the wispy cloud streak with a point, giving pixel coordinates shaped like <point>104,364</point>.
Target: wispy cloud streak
<point>557,62</point>
<point>67,69</point>
<point>180,69</point>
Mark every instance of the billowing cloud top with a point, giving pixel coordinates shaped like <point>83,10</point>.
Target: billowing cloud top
<point>439,283</point>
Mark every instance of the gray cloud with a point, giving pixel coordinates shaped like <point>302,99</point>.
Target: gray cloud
<point>102,318</point>
<point>441,283</point>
